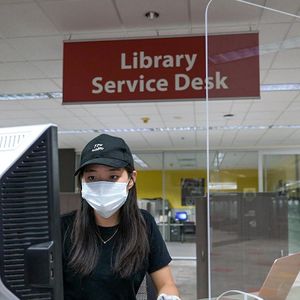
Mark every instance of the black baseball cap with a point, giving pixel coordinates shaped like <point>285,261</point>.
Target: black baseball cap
<point>106,150</point>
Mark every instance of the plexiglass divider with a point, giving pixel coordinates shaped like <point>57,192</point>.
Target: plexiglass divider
<point>252,99</point>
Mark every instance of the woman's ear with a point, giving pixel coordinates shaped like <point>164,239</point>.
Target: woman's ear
<point>132,179</point>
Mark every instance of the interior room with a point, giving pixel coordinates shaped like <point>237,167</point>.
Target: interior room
<point>217,159</point>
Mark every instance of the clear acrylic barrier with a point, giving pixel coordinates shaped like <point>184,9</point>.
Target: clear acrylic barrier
<point>253,102</point>
<point>235,294</point>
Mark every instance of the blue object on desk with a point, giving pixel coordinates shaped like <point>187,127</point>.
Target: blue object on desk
<point>181,216</point>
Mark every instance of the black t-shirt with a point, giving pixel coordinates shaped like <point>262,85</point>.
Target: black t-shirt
<point>103,284</point>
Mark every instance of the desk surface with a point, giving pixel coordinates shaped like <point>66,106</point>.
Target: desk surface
<point>294,294</point>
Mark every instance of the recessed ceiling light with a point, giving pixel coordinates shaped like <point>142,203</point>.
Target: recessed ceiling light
<point>151,15</point>
<point>145,119</point>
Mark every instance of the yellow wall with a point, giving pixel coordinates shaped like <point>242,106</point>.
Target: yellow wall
<point>149,183</point>
<point>173,184</point>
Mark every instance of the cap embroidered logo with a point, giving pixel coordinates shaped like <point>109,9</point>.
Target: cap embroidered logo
<point>97,147</point>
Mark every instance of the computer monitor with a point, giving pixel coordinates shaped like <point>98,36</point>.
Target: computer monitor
<point>30,239</point>
<point>181,216</point>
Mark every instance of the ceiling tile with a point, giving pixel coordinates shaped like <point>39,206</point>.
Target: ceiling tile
<point>261,106</point>
<point>19,70</point>
<point>8,53</point>
<point>264,115</point>
<point>271,36</point>
<point>237,120</point>
<point>139,109</point>
<point>222,107</point>
<point>39,48</point>
<point>24,19</point>
<point>265,62</point>
<point>176,107</point>
<point>158,140</point>
<point>13,1</point>
<point>18,114</point>
<point>294,30</point>
<point>114,122</point>
<point>228,137</point>
<point>289,6</point>
<point>81,15</point>
<point>135,140</point>
<point>248,137</point>
<point>90,122</point>
<point>278,134</point>
<point>51,68</point>
<point>12,122</point>
<point>289,118</point>
<point>283,76</point>
<point>224,12</point>
<point>288,59</point>
<point>104,110</point>
<point>241,106</point>
<point>27,86</point>
<point>12,105</point>
<point>78,111</point>
<point>181,138</point>
<point>58,83</point>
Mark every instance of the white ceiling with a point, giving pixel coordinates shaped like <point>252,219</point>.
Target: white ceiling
<point>31,43</point>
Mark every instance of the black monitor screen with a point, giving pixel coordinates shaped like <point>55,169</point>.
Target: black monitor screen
<point>30,245</point>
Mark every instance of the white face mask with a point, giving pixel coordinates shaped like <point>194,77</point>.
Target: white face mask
<point>105,197</point>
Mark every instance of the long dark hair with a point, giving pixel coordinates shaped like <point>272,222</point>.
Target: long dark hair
<point>132,245</point>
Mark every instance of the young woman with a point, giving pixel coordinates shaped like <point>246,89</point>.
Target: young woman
<point>109,244</point>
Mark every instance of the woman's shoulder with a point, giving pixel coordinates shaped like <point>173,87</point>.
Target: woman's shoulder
<point>147,216</point>
<point>149,220</point>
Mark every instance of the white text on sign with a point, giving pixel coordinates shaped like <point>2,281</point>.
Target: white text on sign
<point>182,82</point>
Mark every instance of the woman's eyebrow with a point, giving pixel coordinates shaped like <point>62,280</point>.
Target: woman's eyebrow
<point>89,170</point>
<point>114,169</point>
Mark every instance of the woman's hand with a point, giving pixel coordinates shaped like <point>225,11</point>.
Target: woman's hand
<point>165,285</point>
<point>167,297</point>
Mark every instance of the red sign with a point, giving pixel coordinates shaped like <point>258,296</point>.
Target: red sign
<point>161,68</point>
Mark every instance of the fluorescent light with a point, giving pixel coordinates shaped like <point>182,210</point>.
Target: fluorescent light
<point>31,96</point>
<point>139,161</point>
<point>222,185</point>
<point>57,95</point>
<point>78,131</point>
<point>280,87</point>
<point>168,129</point>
